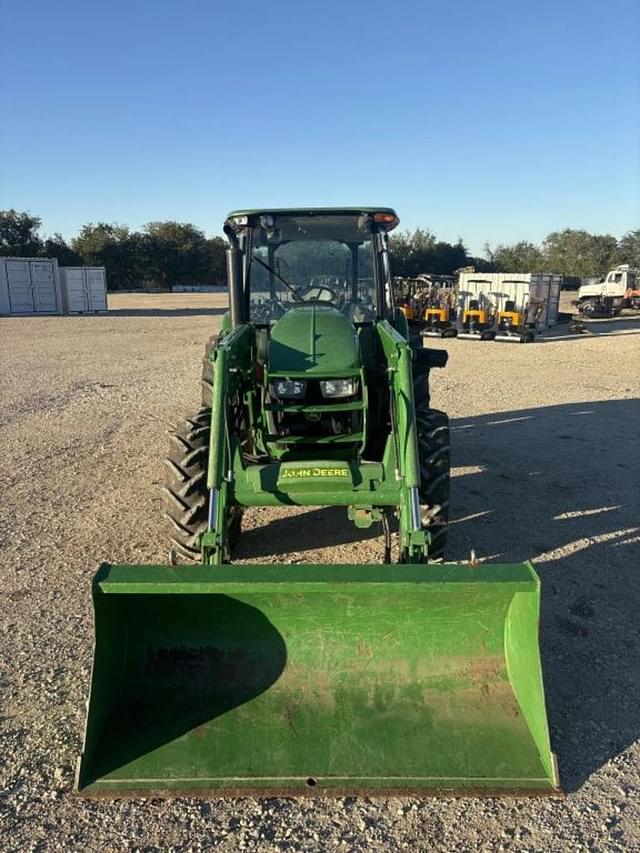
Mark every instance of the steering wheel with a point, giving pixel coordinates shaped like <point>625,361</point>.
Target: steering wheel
<point>320,289</point>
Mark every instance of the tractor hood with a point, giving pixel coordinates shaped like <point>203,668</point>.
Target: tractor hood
<point>314,339</point>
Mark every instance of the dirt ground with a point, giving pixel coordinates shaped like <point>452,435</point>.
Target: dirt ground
<point>544,446</point>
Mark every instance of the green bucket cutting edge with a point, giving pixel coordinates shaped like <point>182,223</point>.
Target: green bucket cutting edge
<point>323,679</point>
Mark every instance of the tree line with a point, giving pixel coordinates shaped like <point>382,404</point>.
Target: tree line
<point>164,254</point>
<point>160,255</point>
<point>574,253</point>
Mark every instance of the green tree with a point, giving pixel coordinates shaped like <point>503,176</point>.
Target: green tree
<point>520,257</point>
<point>19,234</point>
<point>629,249</point>
<point>489,260</point>
<point>217,264</point>
<point>176,253</point>
<point>482,264</point>
<point>579,253</point>
<point>114,247</point>
<point>445,257</point>
<point>419,251</point>
<point>56,247</point>
<point>407,250</point>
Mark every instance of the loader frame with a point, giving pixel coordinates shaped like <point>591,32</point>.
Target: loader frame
<point>368,489</point>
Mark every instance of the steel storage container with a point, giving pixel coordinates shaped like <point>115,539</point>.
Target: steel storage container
<point>537,294</point>
<point>84,289</point>
<point>30,286</point>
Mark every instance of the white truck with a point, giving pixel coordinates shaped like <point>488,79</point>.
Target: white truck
<point>620,289</point>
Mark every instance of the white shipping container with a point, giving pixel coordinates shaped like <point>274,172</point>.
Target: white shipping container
<point>30,286</point>
<point>536,293</point>
<point>84,289</point>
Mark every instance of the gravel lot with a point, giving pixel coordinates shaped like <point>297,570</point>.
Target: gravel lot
<point>545,453</point>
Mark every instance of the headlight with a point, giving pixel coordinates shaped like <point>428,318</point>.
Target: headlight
<point>289,388</point>
<point>338,387</point>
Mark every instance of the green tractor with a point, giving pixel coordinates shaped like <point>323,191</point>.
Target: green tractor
<point>419,675</point>
<point>312,395</point>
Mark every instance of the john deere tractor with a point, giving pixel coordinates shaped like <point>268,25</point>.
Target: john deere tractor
<point>312,395</point>
<point>415,676</point>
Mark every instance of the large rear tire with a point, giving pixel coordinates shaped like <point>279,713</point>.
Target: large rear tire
<point>186,498</point>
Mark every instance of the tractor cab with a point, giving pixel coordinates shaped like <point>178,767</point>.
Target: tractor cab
<point>290,259</point>
<point>311,284</point>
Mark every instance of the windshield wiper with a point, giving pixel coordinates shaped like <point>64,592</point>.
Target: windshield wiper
<point>254,257</point>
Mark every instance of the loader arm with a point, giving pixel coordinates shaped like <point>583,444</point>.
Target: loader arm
<point>231,362</point>
<point>413,539</point>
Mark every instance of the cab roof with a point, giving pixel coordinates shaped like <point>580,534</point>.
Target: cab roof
<point>305,211</point>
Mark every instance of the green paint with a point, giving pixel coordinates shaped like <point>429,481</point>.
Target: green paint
<point>314,340</point>
<point>321,408</point>
<point>262,485</point>
<point>358,677</point>
<point>398,354</point>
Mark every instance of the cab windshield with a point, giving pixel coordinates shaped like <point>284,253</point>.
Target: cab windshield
<point>311,259</point>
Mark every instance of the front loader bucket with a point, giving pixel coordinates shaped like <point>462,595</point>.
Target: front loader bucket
<point>331,679</point>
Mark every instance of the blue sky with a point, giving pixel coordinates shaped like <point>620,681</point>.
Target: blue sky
<point>493,121</point>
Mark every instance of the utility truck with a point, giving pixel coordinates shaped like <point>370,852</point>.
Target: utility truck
<point>620,289</point>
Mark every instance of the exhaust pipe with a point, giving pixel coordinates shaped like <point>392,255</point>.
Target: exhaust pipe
<point>234,277</point>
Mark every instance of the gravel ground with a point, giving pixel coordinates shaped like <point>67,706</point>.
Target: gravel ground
<point>544,448</point>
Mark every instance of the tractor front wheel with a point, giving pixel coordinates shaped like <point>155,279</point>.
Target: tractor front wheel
<point>186,497</point>
<point>432,427</point>
<point>433,451</point>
